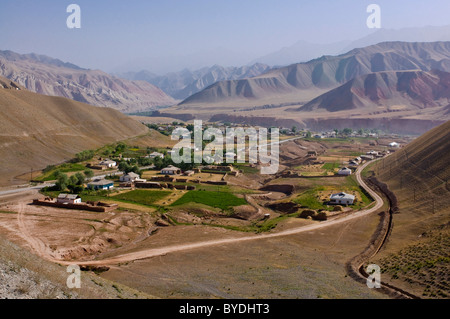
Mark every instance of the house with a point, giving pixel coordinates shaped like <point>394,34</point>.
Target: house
<point>68,199</point>
<point>345,171</point>
<point>155,155</point>
<point>342,198</point>
<point>171,170</point>
<point>230,156</point>
<point>367,157</point>
<point>101,184</point>
<point>353,163</point>
<point>130,177</point>
<point>318,136</point>
<point>394,144</point>
<point>108,163</point>
<point>189,173</point>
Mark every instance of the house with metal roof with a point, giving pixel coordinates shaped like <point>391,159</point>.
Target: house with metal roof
<point>345,171</point>
<point>101,184</point>
<point>171,170</point>
<point>342,199</point>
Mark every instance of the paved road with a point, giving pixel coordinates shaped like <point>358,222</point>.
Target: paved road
<point>148,253</point>
<point>23,189</point>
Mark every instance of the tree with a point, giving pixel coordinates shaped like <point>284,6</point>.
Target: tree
<point>190,127</point>
<point>294,129</point>
<point>88,173</point>
<point>83,156</point>
<point>347,131</point>
<point>62,182</point>
<point>73,180</point>
<point>308,134</point>
<point>81,178</point>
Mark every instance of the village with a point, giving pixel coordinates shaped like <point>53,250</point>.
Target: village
<point>236,195</point>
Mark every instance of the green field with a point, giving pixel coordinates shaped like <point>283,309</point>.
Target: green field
<point>330,166</point>
<point>309,198</point>
<point>222,200</point>
<point>144,197</point>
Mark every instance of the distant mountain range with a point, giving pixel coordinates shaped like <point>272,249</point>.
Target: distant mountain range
<point>303,51</point>
<point>302,82</point>
<point>45,75</point>
<point>183,84</point>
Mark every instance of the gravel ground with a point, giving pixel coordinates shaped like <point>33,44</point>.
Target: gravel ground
<point>22,283</point>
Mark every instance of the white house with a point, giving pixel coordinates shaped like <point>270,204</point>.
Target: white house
<point>345,171</point>
<point>108,163</point>
<point>171,170</point>
<point>68,198</point>
<point>156,154</point>
<point>130,177</point>
<point>394,144</point>
<point>342,198</point>
<point>230,156</point>
<point>353,163</point>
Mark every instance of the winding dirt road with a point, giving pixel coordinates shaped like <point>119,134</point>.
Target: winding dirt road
<point>148,253</point>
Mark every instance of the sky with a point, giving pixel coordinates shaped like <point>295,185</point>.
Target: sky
<point>125,35</point>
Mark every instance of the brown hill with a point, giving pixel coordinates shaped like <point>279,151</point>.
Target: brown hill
<point>303,81</point>
<point>38,130</point>
<point>416,255</point>
<point>49,76</point>
<point>400,90</point>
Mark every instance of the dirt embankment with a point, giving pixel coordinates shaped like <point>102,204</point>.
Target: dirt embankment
<point>393,202</point>
<point>355,267</point>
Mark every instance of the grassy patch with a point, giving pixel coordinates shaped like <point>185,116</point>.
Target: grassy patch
<point>257,227</point>
<point>6,212</point>
<point>145,197</point>
<point>222,200</point>
<point>246,169</point>
<point>309,199</point>
<point>330,166</point>
<point>64,168</point>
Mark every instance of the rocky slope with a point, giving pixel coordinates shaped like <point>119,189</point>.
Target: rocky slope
<point>396,90</point>
<point>50,76</point>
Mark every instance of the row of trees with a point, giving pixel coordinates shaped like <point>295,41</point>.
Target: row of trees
<point>74,183</point>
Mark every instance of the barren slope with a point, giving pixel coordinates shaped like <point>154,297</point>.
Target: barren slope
<point>37,130</point>
<point>398,90</point>
<point>417,253</point>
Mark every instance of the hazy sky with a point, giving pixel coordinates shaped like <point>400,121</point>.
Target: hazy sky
<point>116,34</point>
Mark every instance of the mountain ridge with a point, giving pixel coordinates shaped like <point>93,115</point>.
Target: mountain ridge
<point>326,72</point>
<point>49,76</point>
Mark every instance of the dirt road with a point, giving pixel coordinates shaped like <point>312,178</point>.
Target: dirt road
<point>148,253</point>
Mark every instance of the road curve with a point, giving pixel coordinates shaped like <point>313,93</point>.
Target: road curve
<point>148,253</point>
